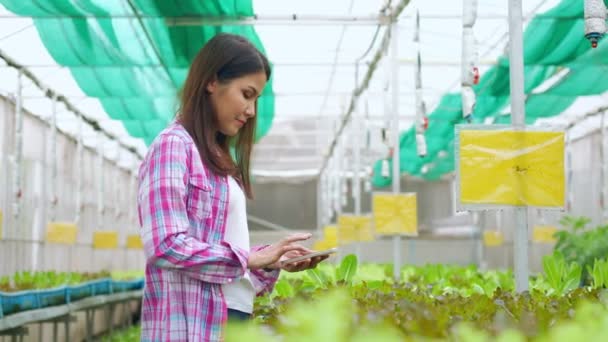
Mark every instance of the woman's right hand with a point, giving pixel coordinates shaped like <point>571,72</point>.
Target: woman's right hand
<point>269,257</point>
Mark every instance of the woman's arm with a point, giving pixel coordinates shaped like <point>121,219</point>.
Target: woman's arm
<point>263,280</point>
<point>164,219</point>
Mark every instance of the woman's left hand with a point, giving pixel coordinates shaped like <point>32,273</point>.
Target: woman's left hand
<point>301,265</point>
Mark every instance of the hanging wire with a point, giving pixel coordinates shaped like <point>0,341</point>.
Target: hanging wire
<point>364,84</point>
<point>334,64</point>
<point>12,34</point>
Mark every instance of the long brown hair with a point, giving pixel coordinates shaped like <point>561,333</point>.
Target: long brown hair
<point>225,57</point>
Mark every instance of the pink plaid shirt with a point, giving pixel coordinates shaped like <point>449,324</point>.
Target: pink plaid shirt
<point>182,209</point>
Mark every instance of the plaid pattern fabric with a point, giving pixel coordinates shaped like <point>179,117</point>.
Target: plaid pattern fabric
<point>182,210</point>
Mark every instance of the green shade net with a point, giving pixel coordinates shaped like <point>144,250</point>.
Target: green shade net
<point>124,53</point>
<point>552,41</point>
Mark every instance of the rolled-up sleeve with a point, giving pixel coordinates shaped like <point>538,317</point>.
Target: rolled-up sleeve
<point>162,198</point>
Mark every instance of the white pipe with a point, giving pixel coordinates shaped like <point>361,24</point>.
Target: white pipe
<point>54,196</point>
<point>595,20</point>
<point>18,159</point>
<point>421,148</point>
<point>385,171</point>
<point>518,117</point>
<point>469,13</point>
<point>396,185</point>
<point>469,70</point>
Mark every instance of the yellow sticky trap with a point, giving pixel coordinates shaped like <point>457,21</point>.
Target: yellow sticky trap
<point>346,229</point>
<point>330,236</point>
<point>493,238</point>
<point>364,228</point>
<point>356,228</point>
<point>395,214</point>
<point>544,234</point>
<point>134,242</point>
<point>511,168</point>
<point>61,233</point>
<point>320,245</point>
<point>105,240</point>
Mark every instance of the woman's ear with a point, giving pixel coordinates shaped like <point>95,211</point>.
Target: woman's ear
<point>211,86</point>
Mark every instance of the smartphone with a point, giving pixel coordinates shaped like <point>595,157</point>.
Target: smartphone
<point>310,255</point>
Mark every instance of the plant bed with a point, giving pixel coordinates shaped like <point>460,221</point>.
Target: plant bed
<point>35,290</point>
<point>52,297</point>
<point>360,303</point>
<point>19,301</point>
<point>78,292</point>
<point>126,285</point>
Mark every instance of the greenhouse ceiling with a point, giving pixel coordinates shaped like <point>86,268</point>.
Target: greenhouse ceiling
<point>121,62</point>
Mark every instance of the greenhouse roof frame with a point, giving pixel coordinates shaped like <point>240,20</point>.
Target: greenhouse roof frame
<point>299,111</point>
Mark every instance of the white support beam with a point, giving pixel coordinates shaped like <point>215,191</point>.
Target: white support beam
<point>307,117</point>
<point>279,64</point>
<point>286,19</point>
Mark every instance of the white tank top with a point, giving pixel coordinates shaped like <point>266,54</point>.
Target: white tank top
<point>239,294</point>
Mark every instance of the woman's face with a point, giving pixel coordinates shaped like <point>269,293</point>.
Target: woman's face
<point>235,101</point>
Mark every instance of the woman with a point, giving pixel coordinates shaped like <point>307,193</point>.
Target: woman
<point>200,268</point>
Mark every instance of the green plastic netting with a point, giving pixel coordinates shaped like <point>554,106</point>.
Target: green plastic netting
<point>124,53</point>
<point>552,41</point>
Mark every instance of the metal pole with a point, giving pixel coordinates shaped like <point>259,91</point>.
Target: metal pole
<point>117,187</point>
<point>53,213</point>
<point>100,185</point>
<point>18,156</point>
<point>395,140</point>
<point>356,179</point>
<point>330,189</point>
<point>320,200</point>
<point>338,178</point>
<point>320,184</point>
<point>569,173</point>
<point>79,173</point>
<point>603,168</point>
<point>518,117</point>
